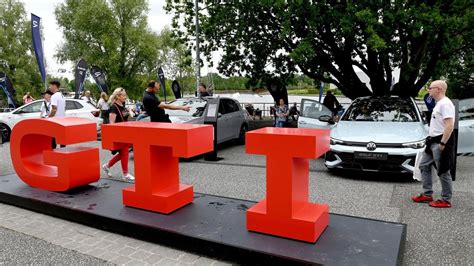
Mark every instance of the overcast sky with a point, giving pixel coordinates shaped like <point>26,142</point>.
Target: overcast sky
<point>52,35</point>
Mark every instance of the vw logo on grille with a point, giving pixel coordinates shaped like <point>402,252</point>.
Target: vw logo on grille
<point>371,146</point>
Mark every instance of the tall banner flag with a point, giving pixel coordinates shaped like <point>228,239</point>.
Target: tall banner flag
<point>99,77</point>
<point>7,87</point>
<point>161,77</point>
<point>176,89</point>
<point>38,45</point>
<point>79,77</point>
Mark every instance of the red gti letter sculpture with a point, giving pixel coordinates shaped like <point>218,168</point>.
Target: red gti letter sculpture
<point>286,211</point>
<point>38,165</point>
<point>157,148</point>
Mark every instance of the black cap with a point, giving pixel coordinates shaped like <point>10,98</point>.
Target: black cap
<point>47,92</point>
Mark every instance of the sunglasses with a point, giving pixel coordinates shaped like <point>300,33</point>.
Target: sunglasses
<point>430,88</point>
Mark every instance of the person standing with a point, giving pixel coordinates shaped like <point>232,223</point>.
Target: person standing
<point>58,104</point>
<point>155,108</point>
<point>27,98</point>
<point>46,106</point>
<point>439,148</point>
<point>87,97</point>
<point>103,106</point>
<point>118,114</point>
<point>281,114</point>
<point>203,90</point>
<point>331,102</point>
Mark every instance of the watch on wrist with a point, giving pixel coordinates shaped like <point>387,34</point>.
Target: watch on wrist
<point>442,143</point>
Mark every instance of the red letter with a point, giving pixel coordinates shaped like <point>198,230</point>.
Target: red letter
<point>286,211</point>
<point>157,148</point>
<point>57,170</point>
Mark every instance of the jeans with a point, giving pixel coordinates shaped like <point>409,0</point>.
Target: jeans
<point>280,124</point>
<point>425,167</point>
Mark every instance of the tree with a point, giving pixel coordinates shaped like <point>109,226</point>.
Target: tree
<point>262,39</point>
<point>17,58</point>
<point>113,35</point>
<point>173,56</point>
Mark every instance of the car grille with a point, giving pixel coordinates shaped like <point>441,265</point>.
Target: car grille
<point>392,164</point>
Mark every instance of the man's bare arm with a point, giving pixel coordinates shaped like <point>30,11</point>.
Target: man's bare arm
<point>53,111</point>
<point>174,107</point>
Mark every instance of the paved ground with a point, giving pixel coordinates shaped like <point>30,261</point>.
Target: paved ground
<point>435,236</point>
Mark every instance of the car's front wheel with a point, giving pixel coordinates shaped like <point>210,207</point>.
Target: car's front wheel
<point>4,133</point>
<point>243,130</point>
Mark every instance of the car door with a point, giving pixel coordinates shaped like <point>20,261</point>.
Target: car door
<point>466,127</point>
<point>31,110</point>
<point>72,108</point>
<point>236,118</point>
<point>224,132</point>
<point>310,111</point>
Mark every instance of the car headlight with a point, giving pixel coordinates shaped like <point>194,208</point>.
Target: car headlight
<point>415,145</point>
<point>334,141</point>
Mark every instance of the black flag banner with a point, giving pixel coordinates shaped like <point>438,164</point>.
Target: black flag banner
<point>7,87</point>
<point>80,76</point>
<point>161,77</point>
<point>99,77</point>
<point>176,89</point>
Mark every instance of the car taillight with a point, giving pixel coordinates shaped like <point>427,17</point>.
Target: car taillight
<point>95,113</point>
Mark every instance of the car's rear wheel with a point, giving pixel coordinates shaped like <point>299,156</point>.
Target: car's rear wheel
<point>4,133</point>
<point>243,130</point>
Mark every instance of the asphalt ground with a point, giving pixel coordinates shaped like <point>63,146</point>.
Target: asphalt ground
<point>434,236</point>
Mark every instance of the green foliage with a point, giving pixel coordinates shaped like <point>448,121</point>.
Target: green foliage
<point>264,39</point>
<point>112,35</point>
<point>17,58</point>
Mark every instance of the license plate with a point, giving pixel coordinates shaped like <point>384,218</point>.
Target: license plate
<point>371,156</point>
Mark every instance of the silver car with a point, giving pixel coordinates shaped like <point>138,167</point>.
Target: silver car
<point>232,122</point>
<point>466,127</point>
<point>381,134</point>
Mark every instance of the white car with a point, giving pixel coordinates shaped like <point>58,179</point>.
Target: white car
<point>374,134</point>
<point>466,127</point>
<point>232,122</point>
<point>74,108</point>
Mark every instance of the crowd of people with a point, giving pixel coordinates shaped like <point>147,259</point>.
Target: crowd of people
<point>112,110</point>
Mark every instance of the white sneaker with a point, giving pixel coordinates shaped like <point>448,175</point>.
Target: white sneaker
<point>106,169</point>
<point>128,177</point>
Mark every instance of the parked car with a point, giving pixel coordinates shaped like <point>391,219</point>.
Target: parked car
<point>374,134</point>
<point>74,108</point>
<point>232,122</point>
<point>466,127</point>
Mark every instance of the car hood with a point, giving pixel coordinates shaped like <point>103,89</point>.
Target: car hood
<point>182,119</point>
<point>379,132</point>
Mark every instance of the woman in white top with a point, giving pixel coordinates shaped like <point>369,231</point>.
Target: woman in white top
<point>104,107</point>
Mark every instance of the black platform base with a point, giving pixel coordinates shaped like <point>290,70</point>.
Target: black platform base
<point>213,226</point>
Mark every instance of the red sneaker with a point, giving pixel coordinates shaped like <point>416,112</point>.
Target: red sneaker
<point>440,204</point>
<point>422,198</point>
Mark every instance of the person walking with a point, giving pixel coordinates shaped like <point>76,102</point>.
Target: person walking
<point>103,106</point>
<point>281,114</point>
<point>118,114</point>
<point>439,148</point>
<point>155,108</point>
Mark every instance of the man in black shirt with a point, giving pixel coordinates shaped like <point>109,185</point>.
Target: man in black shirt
<point>154,107</point>
<point>331,103</point>
<point>203,90</point>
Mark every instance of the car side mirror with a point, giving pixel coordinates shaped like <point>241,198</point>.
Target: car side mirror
<point>327,118</point>
<point>219,115</point>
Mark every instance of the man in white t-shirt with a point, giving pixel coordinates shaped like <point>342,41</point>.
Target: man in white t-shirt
<point>58,105</point>
<point>439,148</point>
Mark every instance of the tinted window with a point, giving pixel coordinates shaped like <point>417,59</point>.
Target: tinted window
<point>381,110</point>
<point>466,109</point>
<point>70,105</point>
<point>31,108</point>
<point>313,109</point>
<point>230,106</point>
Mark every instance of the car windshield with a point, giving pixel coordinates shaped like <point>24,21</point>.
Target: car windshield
<point>197,107</point>
<point>466,109</point>
<point>381,110</point>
